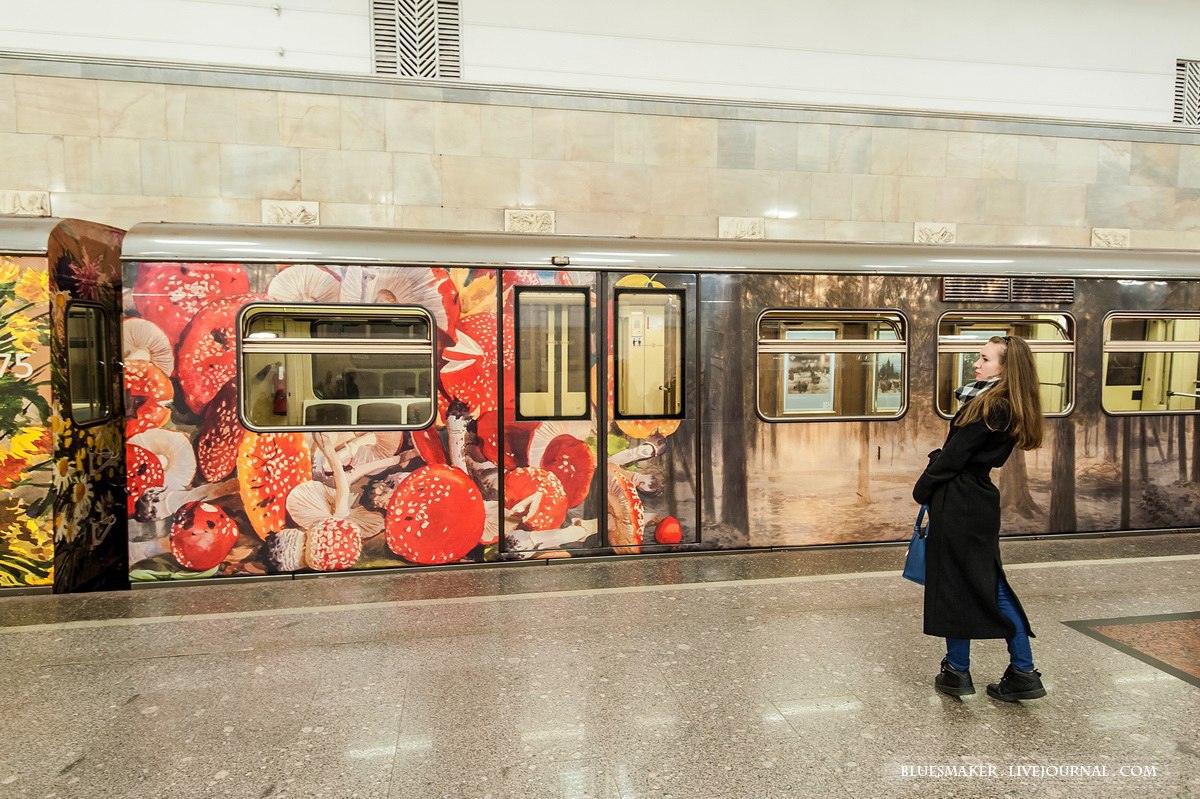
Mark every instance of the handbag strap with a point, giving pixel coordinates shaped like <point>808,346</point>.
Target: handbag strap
<point>918,530</point>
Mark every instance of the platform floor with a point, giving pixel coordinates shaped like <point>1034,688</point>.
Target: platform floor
<point>770,674</point>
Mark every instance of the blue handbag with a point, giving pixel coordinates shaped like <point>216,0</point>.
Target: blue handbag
<point>914,564</point>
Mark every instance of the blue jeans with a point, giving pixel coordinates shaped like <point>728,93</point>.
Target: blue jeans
<point>958,650</point>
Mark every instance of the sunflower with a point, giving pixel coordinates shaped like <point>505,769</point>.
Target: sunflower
<point>25,332</point>
<point>9,270</point>
<point>33,286</point>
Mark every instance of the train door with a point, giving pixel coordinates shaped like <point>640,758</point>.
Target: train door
<point>599,426</point>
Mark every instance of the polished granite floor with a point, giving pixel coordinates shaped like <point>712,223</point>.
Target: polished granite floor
<point>772,674</point>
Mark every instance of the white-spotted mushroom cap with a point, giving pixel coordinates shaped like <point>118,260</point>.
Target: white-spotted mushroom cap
<point>174,450</point>
<point>333,545</point>
<point>304,283</point>
<point>142,340</point>
<point>285,550</point>
<point>548,431</point>
<point>626,516</point>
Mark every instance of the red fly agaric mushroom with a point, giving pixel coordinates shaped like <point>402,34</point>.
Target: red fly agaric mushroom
<point>333,545</point>
<point>143,471</point>
<point>208,352</point>
<point>435,516</point>
<point>174,452</point>
<point>142,340</point>
<point>201,536</point>
<point>269,466</point>
<point>560,447</point>
<point>147,387</point>
<point>536,497</point>
<point>668,531</point>
<point>468,371</point>
<point>304,283</point>
<point>220,435</point>
<point>626,517</point>
<point>171,295</point>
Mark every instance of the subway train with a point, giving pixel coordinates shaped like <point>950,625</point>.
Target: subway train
<point>293,401</point>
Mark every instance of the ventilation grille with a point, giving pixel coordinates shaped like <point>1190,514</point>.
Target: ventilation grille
<point>1026,290</point>
<point>416,38</point>
<point>1187,92</point>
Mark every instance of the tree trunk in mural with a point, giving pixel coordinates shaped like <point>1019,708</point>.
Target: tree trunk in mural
<point>1126,468</point>
<point>1014,487</point>
<point>734,507</point>
<point>1143,452</point>
<point>1181,446</point>
<point>1195,449</point>
<point>1062,479</point>
<point>864,463</point>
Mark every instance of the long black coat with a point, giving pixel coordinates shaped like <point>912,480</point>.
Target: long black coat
<point>962,552</point>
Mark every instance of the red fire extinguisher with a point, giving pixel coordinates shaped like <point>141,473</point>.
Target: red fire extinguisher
<point>279,397</point>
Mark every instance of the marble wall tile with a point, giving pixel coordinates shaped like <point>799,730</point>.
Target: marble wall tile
<point>737,143</point>
<point>257,118</point>
<point>891,197</point>
<point>868,232</point>
<point>849,149</point>
<point>775,146</point>
<point>196,113</point>
<point>481,183</point>
<point>889,151</point>
<point>1005,202</point>
<point>1041,236</point>
<point>743,192</point>
<point>117,166</point>
<point>812,148</point>
<point>680,191</point>
<point>417,179</point>
<point>619,188</point>
<point>832,196</point>
<point>8,103</point>
<point>1076,161</point>
<point>960,200</point>
<point>795,229</point>
<point>356,215</point>
<point>1154,164</point>
<point>213,209</point>
<point>662,141</point>
<point>1113,162</point>
<point>346,176</point>
<point>77,165</point>
<point>57,105</point>
<point>795,197</point>
<point>984,235</point>
<point>1056,205</point>
<point>132,110</point>
<point>917,199</point>
<point>1187,209</point>
<point>1037,157</point>
<point>457,129</point>
<point>555,184</point>
<point>450,218</point>
<point>589,136</point>
<point>260,172</point>
<point>309,120</point>
<point>549,134</point>
<point>118,210</point>
<point>408,126</point>
<point>362,123</point>
<point>1165,239</point>
<point>26,163</point>
<point>181,169</point>
<point>964,154</point>
<point>506,131</point>
<point>1130,206</point>
<point>927,152</point>
<point>629,138</point>
<point>1001,157</point>
<point>698,142</point>
<point>592,223</point>
<point>1189,167</point>
<point>674,226</point>
<point>866,198</point>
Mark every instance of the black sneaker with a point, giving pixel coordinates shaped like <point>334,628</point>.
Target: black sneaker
<point>952,681</point>
<point>1017,684</point>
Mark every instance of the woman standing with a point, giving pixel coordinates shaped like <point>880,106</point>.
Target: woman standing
<point>966,593</point>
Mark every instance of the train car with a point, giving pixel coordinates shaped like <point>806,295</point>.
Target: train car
<point>62,476</point>
<point>312,400</point>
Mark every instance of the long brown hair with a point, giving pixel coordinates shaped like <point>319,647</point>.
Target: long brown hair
<point>1018,388</point>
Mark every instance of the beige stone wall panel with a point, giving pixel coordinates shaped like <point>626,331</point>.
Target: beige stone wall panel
<point>961,200</point>
<point>1154,164</point>
<point>619,188</point>
<point>417,179</point>
<point>795,198</point>
<point>309,120</point>
<point>698,142</point>
<point>1058,204</point>
<point>257,118</point>
<point>25,162</point>
<point>1131,207</point>
<point>964,155</point>
<point>480,183</point>
<point>196,113</point>
<point>506,131</point>
<point>889,151</point>
<point>57,105</point>
<point>408,126</point>
<point>363,125</point>
<point>678,190</point>
<point>181,169</point>
<point>8,104</point>
<point>1001,157</point>
<point>457,129</point>
<point>1113,162</point>
<point>927,151</point>
<point>832,196</point>
<point>260,172</point>
<point>132,110</point>
<point>743,192</point>
<point>1189,167</point>
<point>555,184</point>
<point>116,166</point>
<point>589,136</point>
<point>849,149</point>
<point>342,176</point>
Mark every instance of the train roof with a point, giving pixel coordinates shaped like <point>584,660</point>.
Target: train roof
<point>26,235</point>
<point>283,244</point>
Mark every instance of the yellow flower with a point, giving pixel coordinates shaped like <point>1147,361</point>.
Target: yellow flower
<point>24,331</point>
<point>25,443</point>
<point>33,286</point>
<point>8,270</point>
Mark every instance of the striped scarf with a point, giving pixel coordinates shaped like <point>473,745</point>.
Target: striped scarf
<point>974,388</point>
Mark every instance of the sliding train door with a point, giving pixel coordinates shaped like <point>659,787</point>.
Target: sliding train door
<point>598,439</point>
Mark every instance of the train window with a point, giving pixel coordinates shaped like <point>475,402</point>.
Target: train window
<point>553,373</point>
<point>815,365</point>
<point>1051,338</point>
<point>340,366</point>
<point>89,375</point>
<point>1151,363</point>
<point>648,353</point>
